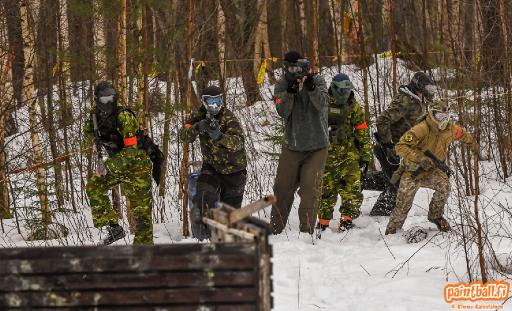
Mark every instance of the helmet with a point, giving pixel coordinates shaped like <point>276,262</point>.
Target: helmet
<point>341,87</point>
<point>342,82</point>
<point>439,112</point>
<point>212,99</point>
<point>105,97</point>
<point>422,84</point>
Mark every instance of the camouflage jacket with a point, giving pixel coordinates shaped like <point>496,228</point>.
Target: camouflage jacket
<point>404,111</point>
<point>114,128</point>
<point>427,136</point>
<point>347,128</point>
<point>226,155</point>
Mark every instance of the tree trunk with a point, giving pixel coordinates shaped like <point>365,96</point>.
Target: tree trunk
<point>186,146</point>
<point>4,109</point>
<point>29,97</point>
<point>121,83</point>
<point>315,56</point>
<point>283,13</point>
<point>241,35</point>
<point>335,12</point>
<point>145,101</point>
<point>221,44</point>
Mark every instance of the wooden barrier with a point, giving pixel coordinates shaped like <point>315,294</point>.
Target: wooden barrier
<point>233,273</point>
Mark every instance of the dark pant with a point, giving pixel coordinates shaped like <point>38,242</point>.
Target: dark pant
<point>303,170</point>
<point>387,199</point>
<point>213,187</point>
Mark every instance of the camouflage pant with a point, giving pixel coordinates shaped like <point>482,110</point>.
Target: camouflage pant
<point>437,181</point>
<point>131,168</point>
<point>342,176</point>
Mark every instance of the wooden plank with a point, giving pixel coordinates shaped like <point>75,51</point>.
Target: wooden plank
<point>34,253</point>
<point>129,297</point>
<point>189,307</point>
<point>239,214</point>
<point>154,262</point>
<point>92,281</point>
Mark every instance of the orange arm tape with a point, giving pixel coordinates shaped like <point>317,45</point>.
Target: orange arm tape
<point>130,141</point>
<point>188,125</point>
<point>324,222</point>
<point>458,133</point>
<point>361,126</point>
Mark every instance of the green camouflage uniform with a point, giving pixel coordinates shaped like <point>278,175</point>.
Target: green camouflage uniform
<point>130,167</point>
<point>226,155</point>
<point>404,111</point>
<point>350,146</point>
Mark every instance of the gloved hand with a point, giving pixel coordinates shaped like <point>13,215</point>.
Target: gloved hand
<point>293,84</point>
<point>426,163</point>
<point>391,154</point>
<point>214,131</point>
<point>202,126</point>
<point>309,83</point>
<point>364,166</point>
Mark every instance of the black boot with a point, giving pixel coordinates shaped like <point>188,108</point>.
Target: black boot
<point>385,203</point>
<point>115,232</point>
<point>345,223</point>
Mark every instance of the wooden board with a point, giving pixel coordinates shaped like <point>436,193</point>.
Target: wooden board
<point>163,277</point>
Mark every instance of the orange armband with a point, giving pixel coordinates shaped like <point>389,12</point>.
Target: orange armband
<point>130,141</point>
<point>361,126</point>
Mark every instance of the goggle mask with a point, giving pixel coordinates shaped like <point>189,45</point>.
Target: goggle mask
<point>301,66</point>
<point>343,87</point>
<point>213,103</point>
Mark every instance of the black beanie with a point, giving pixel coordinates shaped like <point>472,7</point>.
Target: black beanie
<point>292,56</point>
<point>212,90</point>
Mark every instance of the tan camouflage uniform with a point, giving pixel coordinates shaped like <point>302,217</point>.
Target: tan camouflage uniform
<point>425,136</point>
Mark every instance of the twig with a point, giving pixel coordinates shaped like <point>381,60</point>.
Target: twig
<point>385,243</point>
<point>410,257</point>
<point>365,270</point>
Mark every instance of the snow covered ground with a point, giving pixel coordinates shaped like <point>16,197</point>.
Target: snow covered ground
<point>357,270</point>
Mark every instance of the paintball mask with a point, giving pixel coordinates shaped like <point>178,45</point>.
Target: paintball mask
<point>341,88</point>
<point>440,114</point>
<point>213,103</point>
<point>105,97</point>
<point>300,67</point>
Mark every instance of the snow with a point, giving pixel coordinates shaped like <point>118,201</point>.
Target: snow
<point>356,270</point>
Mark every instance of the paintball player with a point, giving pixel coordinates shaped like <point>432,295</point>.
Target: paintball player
<point>349,151</point>
<point>405,110</point>
<point>116,129</point>
<point>301,99</point>
<point>423,150</point>
<point>223,173</point>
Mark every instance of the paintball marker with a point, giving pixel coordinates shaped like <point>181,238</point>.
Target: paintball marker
<point>212,123</point>
<point>438,163</point>
<point>98,150</point>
